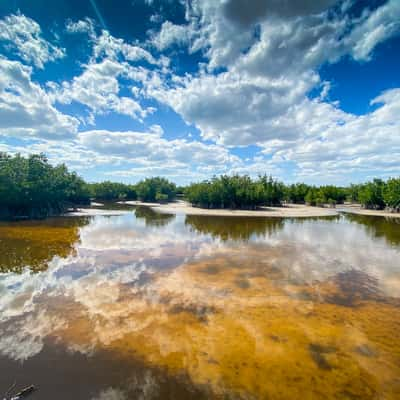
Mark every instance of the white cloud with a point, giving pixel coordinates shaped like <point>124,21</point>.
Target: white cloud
<point>98,88</point>
<point>270,53</point>
<point>171,34</point>
<point>335,141</point>
<point>151,149</point>
<point>262,63</point>
<point>109,46</point>
<point>24,36</point>
<point>81,26</point>
<point>378,26</point>
<point>245,13</point>
<point>26,109</point>
<point>237,109</point>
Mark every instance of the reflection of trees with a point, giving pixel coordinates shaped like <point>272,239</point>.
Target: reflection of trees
<point>33,244</point>
<point>153,218</point>
<point>236,228</point>
<point>301,220</point>
<point>379,227</point>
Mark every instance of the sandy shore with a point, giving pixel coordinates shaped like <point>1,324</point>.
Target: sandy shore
<point>89,212</point>
<point>289,211</point>
<point>292,210</point>
<point>356,209</point>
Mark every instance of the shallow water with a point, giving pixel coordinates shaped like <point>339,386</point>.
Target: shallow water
<point>155,306</point>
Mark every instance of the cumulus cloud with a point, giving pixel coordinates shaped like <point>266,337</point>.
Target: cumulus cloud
<point>98,88</point>
<point>25,107</point>
<point>112,47</point>
<point>245,13</point>
<point>171,34</point>
<point>81,26</point>
<point>150,148</point>
<point>269,53</point>
<point>234,109</point>
<point>24,36</point>
<point>335,141</point>
<point>378,26</point>
<point>99,85</point>
<point>261,63</point>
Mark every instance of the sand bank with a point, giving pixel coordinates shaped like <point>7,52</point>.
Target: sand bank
<point>356,209</point>
<point>292,210</point>
<point>89,212</point>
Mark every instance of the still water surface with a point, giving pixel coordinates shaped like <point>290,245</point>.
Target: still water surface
<point>152,306</point>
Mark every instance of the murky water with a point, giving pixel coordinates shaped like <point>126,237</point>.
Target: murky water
<point>152,306</point>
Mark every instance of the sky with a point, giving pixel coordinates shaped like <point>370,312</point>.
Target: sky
<point>303,90</point>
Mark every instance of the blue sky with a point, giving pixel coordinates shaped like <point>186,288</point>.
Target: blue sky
<point>303,90</point>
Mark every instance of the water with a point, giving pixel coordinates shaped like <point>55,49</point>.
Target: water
<point>153,306</point>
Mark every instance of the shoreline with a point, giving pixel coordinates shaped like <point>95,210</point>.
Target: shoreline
<point>354,209</point>
<point>181,207</point>
<point>289,211</point>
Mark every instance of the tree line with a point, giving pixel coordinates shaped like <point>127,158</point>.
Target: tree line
<point>235,192</point>
<point>246,193</point>
<point>31,186</point>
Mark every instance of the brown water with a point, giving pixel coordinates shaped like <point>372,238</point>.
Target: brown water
<point>152,306</point>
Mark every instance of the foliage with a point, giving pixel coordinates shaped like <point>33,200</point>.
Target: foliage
<point>370,194</point>
<point>297,192</point>
<point>391,194</point>
<point>32,187</point>
<point>352,193</point>
<point>235,192</point>
<point>156,189</point>
<point>112,191</point>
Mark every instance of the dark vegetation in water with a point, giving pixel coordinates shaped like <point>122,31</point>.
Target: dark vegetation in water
<point>354,287</point>
<point>34,244</point>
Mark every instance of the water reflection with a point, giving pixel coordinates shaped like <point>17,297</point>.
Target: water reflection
<point>33,244</point>
<point>379,227</point>
<point>234,228</point>
<point>152,217</point>
<point>194,307</point>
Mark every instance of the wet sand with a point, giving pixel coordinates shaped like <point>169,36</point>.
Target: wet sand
<point>88,212</point>
<point>291,210</point>
<point>288,211</point>
<point>356,209</point>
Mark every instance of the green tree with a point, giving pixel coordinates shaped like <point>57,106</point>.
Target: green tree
<point>371,194</point>
<point>155,189</point>
<point>32,187</point>
<point>391,194</point>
